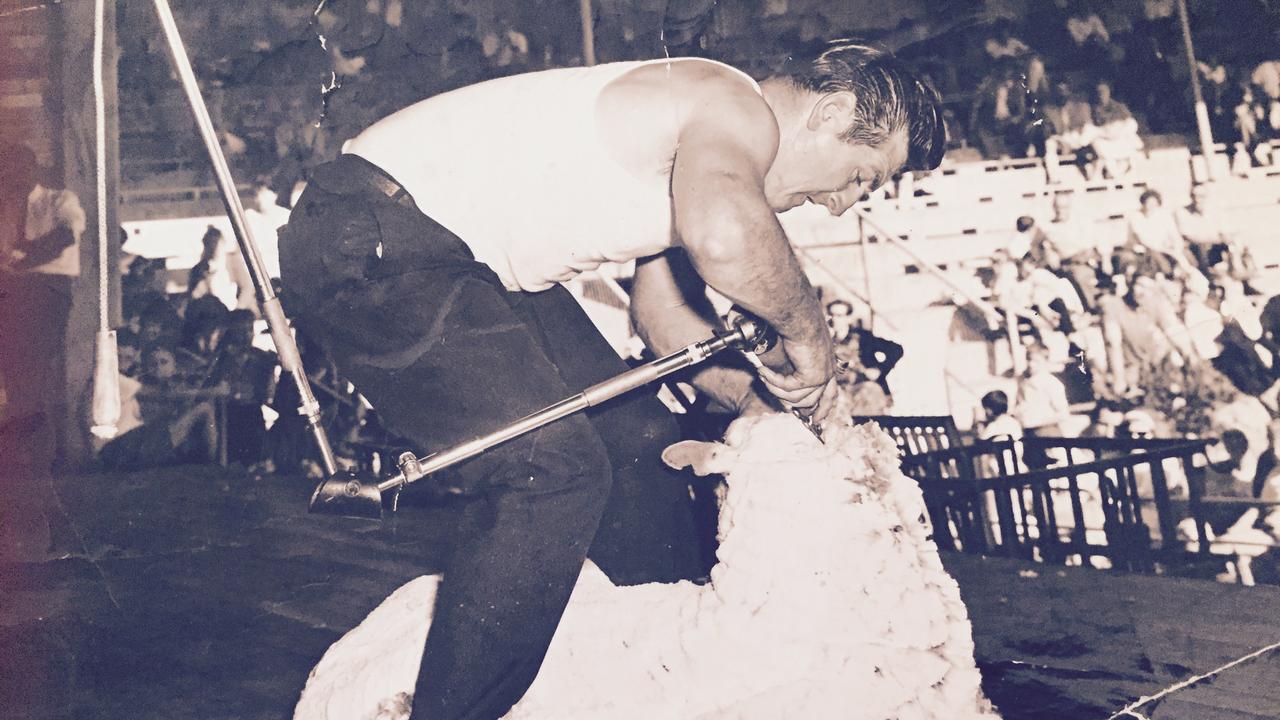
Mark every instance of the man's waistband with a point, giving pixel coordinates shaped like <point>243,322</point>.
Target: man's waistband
<point>348,169</point>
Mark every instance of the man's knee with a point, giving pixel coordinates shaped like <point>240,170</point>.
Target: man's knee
<point>567,455</point>
<point>637,430</point>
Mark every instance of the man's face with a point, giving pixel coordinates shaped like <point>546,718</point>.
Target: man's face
<point>815,165</point>
<point>1200,197</point>
<point>163,366</point>
<point>1062,207</point>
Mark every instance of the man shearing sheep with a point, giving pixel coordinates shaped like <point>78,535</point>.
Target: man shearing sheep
<point>427,259</point>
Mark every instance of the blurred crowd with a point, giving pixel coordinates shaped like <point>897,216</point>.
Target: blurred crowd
<point>1159,332</point>
<point>200,380</point>
<point>1060,100</point>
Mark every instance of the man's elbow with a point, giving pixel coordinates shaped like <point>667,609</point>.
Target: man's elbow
<point>716,240</point>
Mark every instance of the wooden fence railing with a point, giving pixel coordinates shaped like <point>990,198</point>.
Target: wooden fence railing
<point>1136,504</point>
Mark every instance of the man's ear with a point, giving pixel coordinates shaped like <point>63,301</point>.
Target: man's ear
<point>833,111</point>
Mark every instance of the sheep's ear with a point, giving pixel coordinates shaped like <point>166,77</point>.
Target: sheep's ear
<point>700,455</point>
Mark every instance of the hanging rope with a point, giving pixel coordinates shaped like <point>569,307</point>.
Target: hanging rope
<point>106,378</point>
<point>100,162</point>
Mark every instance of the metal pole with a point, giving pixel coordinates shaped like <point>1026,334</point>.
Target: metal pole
<point>984,306</point>
<point>1202,111</point>
<point>286,348</point>
<point>588,33</point>
<point>747,334</point>
<point>866,275</point>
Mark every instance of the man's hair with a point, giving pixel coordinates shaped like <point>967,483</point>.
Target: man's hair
<point>1147,195</point>
<point>888,97</point>
<point>996,402</point>
<point>1025,223</point>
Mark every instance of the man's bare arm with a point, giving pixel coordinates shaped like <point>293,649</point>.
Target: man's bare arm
<point>669,310</point>
<point>733,237</point>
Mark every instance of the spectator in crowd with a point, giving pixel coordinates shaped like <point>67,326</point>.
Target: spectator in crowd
<point>220,272</point>
<point>40,232</point>
<point>1003,45</point>
<point>871,358</point>
<point>1074,249</point>
<point>248,374</point>
<point>997,422</point>
<point>141,285</point>
<point>179,422</point>
<point>1074,132</point>
<point>1041,406</point>
<point>1266,77</point>
<point>1153,242</point>
<point>1201,224</point>
<point>1027,235</point>
<point>1116,141</point>
<point>999,115</point>
<point>1252,129</point>
<point>1048,301</point>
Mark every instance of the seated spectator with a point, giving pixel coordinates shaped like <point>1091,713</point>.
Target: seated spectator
<point>1003,45</point>
<point>1201,223</point>
<point>1074,249</point>
<point>1139,335</point>
<point>1041,407</point>
<point>248,374</point>
<point>1203,324</point>
<point>202,327</point>
<point>220,272</point>
<point>1153,242</point>
<point>178,423</point>
<point>1048,301</point>
<point>141,285</point>
<point>998,116</point>
<point>1252,130</point>
<point>1243,360</point>
<point>871,358</point>
<point>1074,132</point>
<point>996,421</point>
<point>1210,240</point>
<point>998,425</point>
<point>1028,235</point>
<point>159,325</point>
<point>1116,141</point>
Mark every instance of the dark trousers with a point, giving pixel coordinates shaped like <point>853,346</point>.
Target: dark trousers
<point>34,308</point>
<point>445,353</point>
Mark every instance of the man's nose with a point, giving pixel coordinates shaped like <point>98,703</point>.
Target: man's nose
<point>839,202</point>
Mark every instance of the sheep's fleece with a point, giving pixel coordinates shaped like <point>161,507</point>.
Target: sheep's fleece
<point>828,601</point>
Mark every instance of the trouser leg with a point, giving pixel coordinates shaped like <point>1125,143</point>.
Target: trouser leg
<point>648,532</point>
<point>460,369</point>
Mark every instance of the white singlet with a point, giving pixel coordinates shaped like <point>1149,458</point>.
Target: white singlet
<point>517,168</point>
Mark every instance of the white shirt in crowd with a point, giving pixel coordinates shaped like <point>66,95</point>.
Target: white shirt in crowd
<point>1042,401</point>
<point>47,210</point>
<point>1156,231</point>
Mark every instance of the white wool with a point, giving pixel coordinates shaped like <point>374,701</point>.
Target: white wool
<point>828,600</point>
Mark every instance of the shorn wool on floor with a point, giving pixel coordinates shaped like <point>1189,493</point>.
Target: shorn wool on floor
<point>828,601</point>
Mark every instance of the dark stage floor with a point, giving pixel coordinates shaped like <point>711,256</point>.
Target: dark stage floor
<point>206,593</point>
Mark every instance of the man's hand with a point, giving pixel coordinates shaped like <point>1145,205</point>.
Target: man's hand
<point>807,381</point>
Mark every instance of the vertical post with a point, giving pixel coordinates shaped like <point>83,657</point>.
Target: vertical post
<point>286,348</point>
<point>588,33</point>
<point>1202,111</point>
<point>866,275</point>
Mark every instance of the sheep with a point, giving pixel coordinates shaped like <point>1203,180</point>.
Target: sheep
<point>828,600</point>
